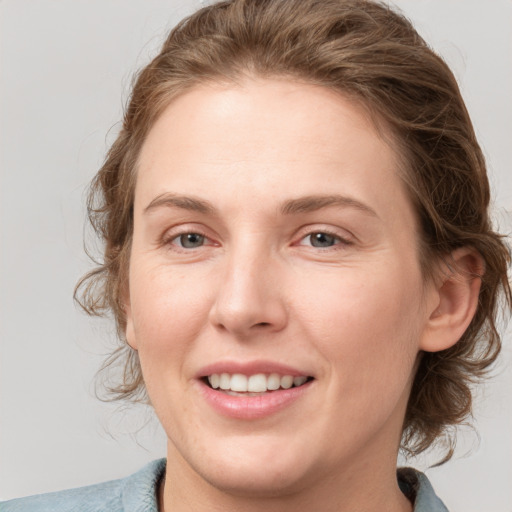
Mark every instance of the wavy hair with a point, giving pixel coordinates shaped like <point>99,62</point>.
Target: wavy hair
<point>368,51</point>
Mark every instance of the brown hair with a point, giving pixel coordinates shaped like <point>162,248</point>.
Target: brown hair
<point>360,48</point>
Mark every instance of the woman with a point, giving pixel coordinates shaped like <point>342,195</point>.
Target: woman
<point>299,258</point>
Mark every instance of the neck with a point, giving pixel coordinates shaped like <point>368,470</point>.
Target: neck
<point>360,488</point>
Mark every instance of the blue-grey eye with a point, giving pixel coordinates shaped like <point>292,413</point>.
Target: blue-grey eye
<point>322,239</point>
<point>190,240</point>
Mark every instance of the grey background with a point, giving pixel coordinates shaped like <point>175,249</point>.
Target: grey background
<point>66,67</point>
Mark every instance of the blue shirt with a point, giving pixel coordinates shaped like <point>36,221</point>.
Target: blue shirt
<point>138,493</point>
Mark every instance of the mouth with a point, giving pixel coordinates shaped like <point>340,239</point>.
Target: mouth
<point>253,390</point>
<point>238,384</point>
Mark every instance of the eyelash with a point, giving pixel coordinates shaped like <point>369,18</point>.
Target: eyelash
<point>339,241</point>
<point>170,239</point>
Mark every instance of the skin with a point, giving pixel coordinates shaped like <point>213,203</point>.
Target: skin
<point>353,314</point>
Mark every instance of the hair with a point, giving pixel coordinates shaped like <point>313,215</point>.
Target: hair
<point>372,53</point>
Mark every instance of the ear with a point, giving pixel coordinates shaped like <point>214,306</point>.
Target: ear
<point>454,299</point>
<point>129,330</point>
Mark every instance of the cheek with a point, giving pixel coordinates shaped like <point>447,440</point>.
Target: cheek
<point>167,304</point>
<point>367,325</point>
<point>169,312</point>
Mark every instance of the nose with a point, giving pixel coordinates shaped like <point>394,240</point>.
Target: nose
<point>250,299</point>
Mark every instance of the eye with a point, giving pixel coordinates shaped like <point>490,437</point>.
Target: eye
<point>189,240</point>
<point>321,239</point>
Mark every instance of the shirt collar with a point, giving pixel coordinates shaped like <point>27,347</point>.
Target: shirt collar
<point>140,491</point>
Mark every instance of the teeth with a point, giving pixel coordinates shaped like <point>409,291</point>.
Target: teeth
<point>273,382</point>
<point>224,381</point>
<point>215,380</point>
<point>238,383</point>
<point>258,383</point>
<point>298,381</point>
<point>286,381</point>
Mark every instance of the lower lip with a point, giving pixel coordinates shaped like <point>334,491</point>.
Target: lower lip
<point>252,407</point>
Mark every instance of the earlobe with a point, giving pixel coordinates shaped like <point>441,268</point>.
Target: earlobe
<point>129,329</point>
<point>457,288</point>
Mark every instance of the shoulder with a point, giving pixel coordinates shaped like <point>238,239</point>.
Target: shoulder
<point>135,493</point>
<point>417,487</point>
<point>93,498</point>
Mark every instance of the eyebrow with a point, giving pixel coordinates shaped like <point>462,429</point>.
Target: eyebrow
<point>293,206</point>
<point>184,202</point>
<point>317,202</point>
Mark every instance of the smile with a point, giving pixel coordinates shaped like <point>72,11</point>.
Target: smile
<point>254,390</point>
<point>254,384</point>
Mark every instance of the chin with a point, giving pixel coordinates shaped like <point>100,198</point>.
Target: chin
<point>265,483</point>
<point>259,468</point>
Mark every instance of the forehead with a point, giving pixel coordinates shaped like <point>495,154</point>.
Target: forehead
<point>279,104</point>
<point>276,137</point>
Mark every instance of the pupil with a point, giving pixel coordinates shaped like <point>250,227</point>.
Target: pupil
<point>322,240</point>
<point>191,240</point>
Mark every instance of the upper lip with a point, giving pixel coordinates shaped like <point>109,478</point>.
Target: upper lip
<point>250,368</point>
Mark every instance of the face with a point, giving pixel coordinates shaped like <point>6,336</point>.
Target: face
<point>275,294</point>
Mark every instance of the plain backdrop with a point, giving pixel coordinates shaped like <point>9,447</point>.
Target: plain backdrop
<point>66,68</point>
